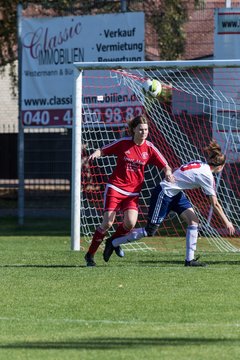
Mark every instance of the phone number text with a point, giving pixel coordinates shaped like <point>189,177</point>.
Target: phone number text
<point>63,117</point>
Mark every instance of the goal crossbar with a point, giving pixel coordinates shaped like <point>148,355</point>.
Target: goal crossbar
<point>153,65</point>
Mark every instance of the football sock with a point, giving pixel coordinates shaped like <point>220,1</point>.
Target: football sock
<point>120,231</point>
<point>133,235</point>
<point>191,241</point>
<point>96,240</point>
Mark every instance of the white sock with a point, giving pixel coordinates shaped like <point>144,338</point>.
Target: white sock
<point>133,235</point>
<point>191,241</point>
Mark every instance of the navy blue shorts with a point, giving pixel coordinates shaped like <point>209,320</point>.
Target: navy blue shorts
<point>161,205</point>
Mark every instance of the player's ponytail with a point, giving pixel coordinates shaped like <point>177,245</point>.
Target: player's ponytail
<point>215,157</point>
<point>132,124</point>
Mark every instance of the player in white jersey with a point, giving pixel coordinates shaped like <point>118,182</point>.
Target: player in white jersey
<point>191,176</point>
<point>169,196</point>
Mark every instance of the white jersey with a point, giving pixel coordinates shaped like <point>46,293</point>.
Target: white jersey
<point>195,174</point>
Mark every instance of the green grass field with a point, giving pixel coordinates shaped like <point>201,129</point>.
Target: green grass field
<point>145,306</point>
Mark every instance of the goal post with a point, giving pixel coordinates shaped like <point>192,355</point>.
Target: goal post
<point>201,102</point>
<point>76,162</point>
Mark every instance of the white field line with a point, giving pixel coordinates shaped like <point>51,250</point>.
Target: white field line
<point>121,322</point>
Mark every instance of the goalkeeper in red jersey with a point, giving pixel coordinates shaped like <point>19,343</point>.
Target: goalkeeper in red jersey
<point>170,196</point>
<point>125,183</point>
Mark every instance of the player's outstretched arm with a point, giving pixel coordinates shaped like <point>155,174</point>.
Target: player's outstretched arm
<point>217,208</point>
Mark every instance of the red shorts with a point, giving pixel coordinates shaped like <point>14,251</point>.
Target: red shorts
<point>115,201</point>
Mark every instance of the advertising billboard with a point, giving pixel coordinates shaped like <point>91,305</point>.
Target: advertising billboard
<point>51,45</point>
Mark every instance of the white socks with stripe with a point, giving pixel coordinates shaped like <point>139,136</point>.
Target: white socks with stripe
<point>133,235</point>
<point>191,241</point>
<point>136,234</point>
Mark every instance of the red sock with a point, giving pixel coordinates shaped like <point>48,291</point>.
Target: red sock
<point>120,232</point>
<point>96,240</point>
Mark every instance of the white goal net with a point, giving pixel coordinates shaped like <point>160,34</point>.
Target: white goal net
<point>200,101</point>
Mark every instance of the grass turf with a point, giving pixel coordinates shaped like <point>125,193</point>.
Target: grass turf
<point>145,306</point>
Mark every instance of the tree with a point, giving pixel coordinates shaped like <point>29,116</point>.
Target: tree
<point>8,38</point>
<point>9,31</point>
<point>172,15</point>
<point>169,28</point>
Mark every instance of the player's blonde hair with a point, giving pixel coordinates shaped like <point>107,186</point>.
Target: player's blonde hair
<point>215,156</point>
<point>133,123</point>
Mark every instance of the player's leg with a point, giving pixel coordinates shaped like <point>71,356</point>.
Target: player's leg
<point>160,206</point>
<point>189,216</point>
<point>112,199</point>
<point>98,236</point>
<point>129,221</point>
<point>158,210</point>
<point>129,205</point>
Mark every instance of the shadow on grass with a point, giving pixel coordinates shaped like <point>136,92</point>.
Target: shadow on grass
<point>181,262</point>
<point>164,262</point>
<point>141,262</point>
<point>224,262</point>
<point>119,343</point>
<point>48,266</point>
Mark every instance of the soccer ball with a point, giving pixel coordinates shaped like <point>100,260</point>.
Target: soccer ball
<point>152,88</point>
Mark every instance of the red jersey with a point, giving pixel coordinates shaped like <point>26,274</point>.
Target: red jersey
<point>128,174</point>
